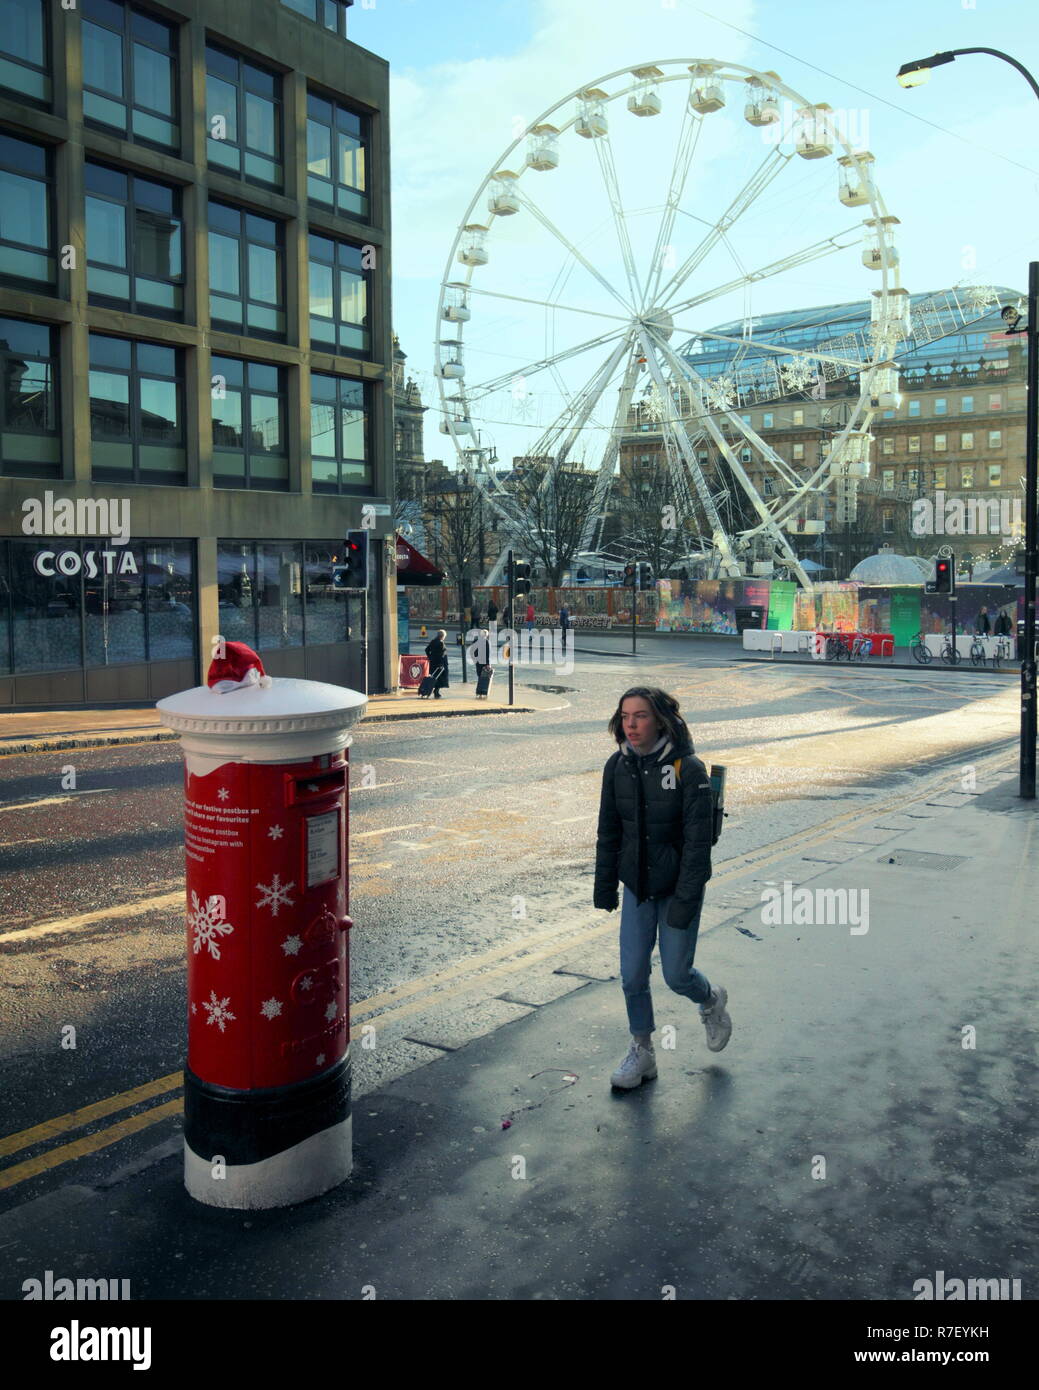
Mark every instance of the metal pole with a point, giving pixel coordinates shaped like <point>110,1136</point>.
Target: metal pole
<point>634,592</point>
<point>1028,711</point>
<point>512,623</point>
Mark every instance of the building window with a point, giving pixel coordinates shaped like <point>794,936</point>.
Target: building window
<point>967,405</point>
<point>26,239</point>
<point>246,272</point>
<point>888,415</point>
<point>967,440</point>
<point>888,445</point>
<point>23,49</point>
<point>339,298</point>
<point>129,72</point>
<point>136,412</point>
<point>337,143</point>
<point>766,420</point>
<point>888,479</point>
<point>745,419</point>
<point>330,615</point>
<point>940,475</point>
<point>799,417</point>
<point>941,405</point>
<point>888,522</point>
<point>243,116</point>
<point>995,439</point>
<point>967,475</point>
<point>249,407</point>
<point>260,585</point>
<point>941,443</point>
<point>797,452</point>
<point>134,243</point>
<point>914,443</point>
<point>768,490</point>
<point>330,14</point>
<point>913,477</point>
<point>339,441</point>
<point>995,475</point>
<point>31,447</point>
<point>914,407</point>
<point>995,401</point>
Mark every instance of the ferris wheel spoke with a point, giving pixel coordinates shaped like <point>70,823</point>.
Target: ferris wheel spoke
<point>687,142</point>
<point>549,304</point>
<point>773,164</point>
<point>611,450</point>
<point>569,424</point>
<point>486,388</point>
<point>604,153</point>
<point>550,226</point>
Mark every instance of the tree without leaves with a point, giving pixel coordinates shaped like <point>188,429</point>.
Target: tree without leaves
<point>553,501</point>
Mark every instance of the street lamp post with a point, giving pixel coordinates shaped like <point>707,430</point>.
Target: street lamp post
<point>912,75</point>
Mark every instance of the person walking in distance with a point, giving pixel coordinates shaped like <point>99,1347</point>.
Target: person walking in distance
<point>656,828</point>
<point>492,610</point>
<point>564,623</point>
<point>437,653</point>
<point>983,627</point>
<point>530,616</point>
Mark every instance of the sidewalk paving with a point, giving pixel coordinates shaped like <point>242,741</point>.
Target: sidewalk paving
<point>852,1139</point>
<point>31,731</point>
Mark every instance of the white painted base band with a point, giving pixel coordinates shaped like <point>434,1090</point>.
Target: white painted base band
<point>306,1170</point>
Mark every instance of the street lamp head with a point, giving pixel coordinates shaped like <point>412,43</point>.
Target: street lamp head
<point>919,71</point>
<point>1011,316</point>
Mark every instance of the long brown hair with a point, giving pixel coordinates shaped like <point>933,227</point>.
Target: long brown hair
<point>665,710</point>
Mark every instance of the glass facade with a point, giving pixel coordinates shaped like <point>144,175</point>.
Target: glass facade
<point>66,603</point>
<point>30,444</point>
<point>135,257</point>
<point>330,14</point>
<point>249,410</point>
<point>338,298</point>
<point>243,118</point>
<point>136,412</point>
<point>24,67</point>
<point>276,594</point>
<point>246,272</point>
<point>26,233</point>
<point>337,141</point>
<point>339,443</point>
<point>130,72</point>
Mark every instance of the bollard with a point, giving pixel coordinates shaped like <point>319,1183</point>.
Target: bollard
<point>267,1087</point>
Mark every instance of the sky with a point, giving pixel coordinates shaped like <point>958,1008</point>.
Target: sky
<point>957,161</point>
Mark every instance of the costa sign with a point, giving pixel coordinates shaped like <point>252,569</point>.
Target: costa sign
<point>51,563</point>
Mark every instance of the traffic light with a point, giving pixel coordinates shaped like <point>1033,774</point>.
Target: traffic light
<point>521,577</point>
<point>629,576</point>
<point>945,576</point>
<point>354,573</point>
<point>645,574</point>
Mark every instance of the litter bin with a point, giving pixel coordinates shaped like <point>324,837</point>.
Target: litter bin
<point>267,1115</point>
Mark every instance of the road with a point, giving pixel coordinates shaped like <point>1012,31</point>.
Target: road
<point>471,849</point>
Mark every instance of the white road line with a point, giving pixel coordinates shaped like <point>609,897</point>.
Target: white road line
<point>56,800</point>
<point>367,834</point>
<point>570,819</point>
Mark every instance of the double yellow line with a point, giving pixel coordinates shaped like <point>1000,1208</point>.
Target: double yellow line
<point>400,1001</point>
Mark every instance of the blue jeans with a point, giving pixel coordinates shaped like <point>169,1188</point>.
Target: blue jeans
<point>639,925</point>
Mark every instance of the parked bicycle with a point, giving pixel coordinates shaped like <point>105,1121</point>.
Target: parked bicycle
<point>837,649</point>
<point>977,652</point>
<point>921,651</point>
<point>952,656</point>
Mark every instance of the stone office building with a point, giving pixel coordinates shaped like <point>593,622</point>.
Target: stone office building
<point>195,344</point>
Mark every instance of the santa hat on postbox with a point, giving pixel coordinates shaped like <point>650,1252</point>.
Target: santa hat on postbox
<point>239,668</point>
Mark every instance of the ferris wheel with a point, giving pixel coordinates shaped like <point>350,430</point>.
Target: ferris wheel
<point>586,283</point>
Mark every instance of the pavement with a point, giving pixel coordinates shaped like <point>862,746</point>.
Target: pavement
<point>863,1130</point>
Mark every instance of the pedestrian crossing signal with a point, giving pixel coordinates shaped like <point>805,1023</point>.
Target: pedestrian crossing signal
<point>944,576</point>
<point>354,573</point>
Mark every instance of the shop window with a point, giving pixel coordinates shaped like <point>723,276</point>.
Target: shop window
<point>249,410</point>
<point>339,298</point>
<point>26,236</point>
<point>246,272</point>
<point>136,412</point>
<point>339,434</point>
<point>23,49</point>
<point>337,157</point>
<point>330,614</point>
<point>135,254</point>
<point>260,586</point>
<point>243,117</point>
<point>129,72</point>
<point>29,425</point>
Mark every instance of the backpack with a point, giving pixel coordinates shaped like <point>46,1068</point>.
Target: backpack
<point>716,799</point>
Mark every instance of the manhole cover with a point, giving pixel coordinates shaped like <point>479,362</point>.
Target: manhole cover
<point>920,859</point>
<point>554,689</point>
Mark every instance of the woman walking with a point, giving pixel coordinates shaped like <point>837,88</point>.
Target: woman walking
<point>656,827</point>
<point>437,653</point>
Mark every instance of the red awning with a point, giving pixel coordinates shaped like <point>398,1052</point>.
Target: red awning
<point>413,567</point>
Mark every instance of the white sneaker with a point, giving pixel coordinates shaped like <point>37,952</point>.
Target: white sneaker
<point>716,1020</point>
<point>639,1065</point>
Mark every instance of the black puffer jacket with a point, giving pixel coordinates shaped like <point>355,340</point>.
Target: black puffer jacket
<point>655,837</point>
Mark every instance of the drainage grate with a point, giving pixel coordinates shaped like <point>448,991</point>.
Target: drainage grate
<point>920,859</point>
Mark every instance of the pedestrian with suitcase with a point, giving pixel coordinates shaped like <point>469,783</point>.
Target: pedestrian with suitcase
<point>437,653</point>
<point>656,828</point>
<point>484,669</point>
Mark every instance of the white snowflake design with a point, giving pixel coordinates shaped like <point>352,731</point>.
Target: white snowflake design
<point>979,297</point>
<point>219,1013</point>
<point>207,922</point>
<point>722,392</point>
<point>270,1008</point>
<point>275,895</point>
<point>798,373</point>
<point>307,982</point>
<point>319,1060</point>
<point>223,793</point>
<point>291,945</point>
<point>655,404</point>
<point>275,832</point>
<point>331,1011</point>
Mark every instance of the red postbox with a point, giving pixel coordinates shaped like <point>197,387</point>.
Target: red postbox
<point>266,802</point>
